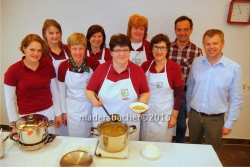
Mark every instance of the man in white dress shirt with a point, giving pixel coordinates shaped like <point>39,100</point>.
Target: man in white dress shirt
<point>214,86</point>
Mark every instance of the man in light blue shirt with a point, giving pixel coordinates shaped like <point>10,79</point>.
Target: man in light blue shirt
<point>214,86</point>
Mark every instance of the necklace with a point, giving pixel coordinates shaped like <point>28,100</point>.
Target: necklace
<point>76,68</point>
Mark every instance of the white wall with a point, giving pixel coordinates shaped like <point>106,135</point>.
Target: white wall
<point>21,17</point>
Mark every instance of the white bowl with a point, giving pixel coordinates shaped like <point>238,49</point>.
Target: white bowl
<point>138,104</point>
<point>151,152</point>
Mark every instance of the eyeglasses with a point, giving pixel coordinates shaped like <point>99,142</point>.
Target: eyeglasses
<point>119,51</point>
<point>162,48</point>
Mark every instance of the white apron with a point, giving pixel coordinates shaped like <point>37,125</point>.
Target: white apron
<point>116,97</point>
<point>77,105</point>
<point>160,102</point>
<point>138,57</point>
<point>102,59</point>
<point>56,63</point>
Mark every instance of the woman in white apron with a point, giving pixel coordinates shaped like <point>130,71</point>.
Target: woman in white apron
<point>35,84</point>
<point>161,73</point>
<point>137,32</point>
<point>96,46</point>
<point>57,51</point>
<point>118,83</point>
<point>73,77</point>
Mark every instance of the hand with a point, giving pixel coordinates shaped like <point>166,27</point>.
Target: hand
<point>172,122</point>
<point>14,131</point>
<point>226,131</point>
<point>58,121</point>
<point>64,119</point>
<point>95,102</point>
<point>187,114</point>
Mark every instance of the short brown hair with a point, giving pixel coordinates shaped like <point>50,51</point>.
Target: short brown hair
<point>160,38</point>
<point>137,20</point>
<point>95,29</point>
<point>31,38</point>
<point>48,23</point>
<point>77,38</point>
<point>213,32</point>
<point>183,18</point>
<point>119,40</point>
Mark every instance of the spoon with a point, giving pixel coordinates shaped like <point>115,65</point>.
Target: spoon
<point>113,117</point>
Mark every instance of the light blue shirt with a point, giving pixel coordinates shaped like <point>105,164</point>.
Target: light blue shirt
<point>214,89</point>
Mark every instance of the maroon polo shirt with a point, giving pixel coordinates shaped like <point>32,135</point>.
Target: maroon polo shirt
<point>137,77</point>
<point>32,87</point>
<point>61,55</point>
<point>65,65</point>
<point>98,56</point>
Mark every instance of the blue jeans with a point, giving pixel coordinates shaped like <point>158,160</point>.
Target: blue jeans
<point>181,121</point>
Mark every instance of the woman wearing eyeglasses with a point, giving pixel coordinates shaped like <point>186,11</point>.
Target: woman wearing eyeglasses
<point>96,46</point>
<point>118,83</point>
<point>166,86</point>
<point>137,31</point>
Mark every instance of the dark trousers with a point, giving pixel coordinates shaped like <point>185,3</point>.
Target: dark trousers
<point>211,127</point>
<point>181,126</point>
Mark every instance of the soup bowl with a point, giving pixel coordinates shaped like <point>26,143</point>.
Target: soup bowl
<point>113,136</point>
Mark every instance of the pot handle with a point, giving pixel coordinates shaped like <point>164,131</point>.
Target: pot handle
<point>49,123</point>
<point>92,131</point>
<point>12,135</point>
<point>134,129</point>
<point>51,137</point>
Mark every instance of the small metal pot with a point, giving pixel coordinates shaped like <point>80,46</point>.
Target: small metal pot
<point>31,129</point>
<point>113,143</point>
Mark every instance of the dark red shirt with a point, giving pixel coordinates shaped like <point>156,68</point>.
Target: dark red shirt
<point>174,76</point>
<point>137,77</point>
<point>61,55</point>
<point>92,63</point>
<point>32,87</point>
<point>147,49</point>
<point>98,56</point>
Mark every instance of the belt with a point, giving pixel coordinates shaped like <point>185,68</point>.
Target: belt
<point>208,115</point>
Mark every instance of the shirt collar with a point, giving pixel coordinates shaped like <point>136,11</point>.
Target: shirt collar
<point>127,68</point>
<point>221,61</point>
<point>174,44</point>
<point>42,63</point>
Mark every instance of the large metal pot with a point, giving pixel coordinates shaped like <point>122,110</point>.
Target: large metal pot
<point>113,143</point>
<point>31,129</point>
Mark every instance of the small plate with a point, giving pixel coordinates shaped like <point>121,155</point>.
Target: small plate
<point>139,104</point>
<point>76,158</point>
<point>151,152</point>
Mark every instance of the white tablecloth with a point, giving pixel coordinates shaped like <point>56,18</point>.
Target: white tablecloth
<point>173,154</point>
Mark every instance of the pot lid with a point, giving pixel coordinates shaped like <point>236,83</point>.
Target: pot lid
<point>32,121</point>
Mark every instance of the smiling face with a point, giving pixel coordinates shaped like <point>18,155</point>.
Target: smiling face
<point>78,53</point>
<point>160,51</point>
<point>137,34</point>
<point>213,46</point>
<point>96,39</point>
<point>183,31</point>
<point>33,52</point>
<point>120,55</point>
<point>53,35</point>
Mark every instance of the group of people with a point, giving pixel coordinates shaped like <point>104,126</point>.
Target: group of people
<point>61,81</point>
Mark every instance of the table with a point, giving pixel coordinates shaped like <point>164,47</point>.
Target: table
<point>173,154</point>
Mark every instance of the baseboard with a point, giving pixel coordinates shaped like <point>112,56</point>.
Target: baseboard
<point>5,128</point>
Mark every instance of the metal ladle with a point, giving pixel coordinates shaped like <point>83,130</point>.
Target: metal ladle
<point>113,117</point>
